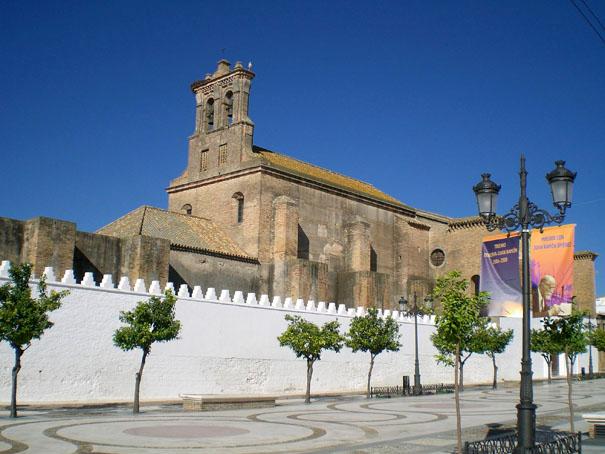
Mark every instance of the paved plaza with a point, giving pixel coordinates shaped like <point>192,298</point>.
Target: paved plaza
<point>350,424</point>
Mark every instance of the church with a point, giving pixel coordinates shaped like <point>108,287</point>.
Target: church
<point>243,217</point>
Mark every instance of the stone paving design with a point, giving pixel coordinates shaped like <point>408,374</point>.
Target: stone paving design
<point>421,424</point>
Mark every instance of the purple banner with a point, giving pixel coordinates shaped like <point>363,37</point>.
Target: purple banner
<point>500,275</point>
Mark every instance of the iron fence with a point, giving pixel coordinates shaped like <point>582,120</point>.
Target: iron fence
<point>407,390</point>
<point>547,442</point>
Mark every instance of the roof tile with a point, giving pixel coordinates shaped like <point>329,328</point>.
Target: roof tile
<point>180,229</point>
<point>322,175</point>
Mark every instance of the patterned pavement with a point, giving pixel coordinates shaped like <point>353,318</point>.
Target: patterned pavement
<point>423,424</point>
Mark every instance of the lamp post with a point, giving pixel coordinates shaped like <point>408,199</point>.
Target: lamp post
<point>525,215</point>
<point>414,310</point>
<point>590,369</point>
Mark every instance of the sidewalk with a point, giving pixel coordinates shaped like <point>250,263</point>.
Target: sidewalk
<point>352,424</point>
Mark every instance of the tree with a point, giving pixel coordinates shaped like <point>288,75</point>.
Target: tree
<point>569,333</point>
<point>24,318</point>
<point>472,343</point>
<point>493,341</point>
<point>543,343</point>
<point>149,322</point>
<point>455,323</point>
<point>597,339</point>
<point>373,334</point>
<point>308,340</point>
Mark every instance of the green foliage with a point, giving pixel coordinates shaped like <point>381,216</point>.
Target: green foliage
<point>493,340</point>
<point>150,321</point>
<point>373,334</point>
<point>597,339</point>
<point>568,333</point>
<point>456,323</point>
<point>24,318</point>
<point>542,342</point>
<point>307,340</point>
<point>459,319</point>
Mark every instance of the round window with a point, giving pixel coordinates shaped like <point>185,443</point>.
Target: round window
<point>437,257</point>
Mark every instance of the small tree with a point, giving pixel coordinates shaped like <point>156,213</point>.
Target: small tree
<point>24,318</point>
<point>543,343</point>
<point>455,323</point>
<point>473,343</point>
<point>373,334</point>
<point>149,322</point>
<point>308,340</point>
<point>568,333</point>
<point>597,339</point>
<point>493,341</point>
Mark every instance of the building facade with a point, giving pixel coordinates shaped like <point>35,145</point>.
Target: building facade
<point>242,216</point>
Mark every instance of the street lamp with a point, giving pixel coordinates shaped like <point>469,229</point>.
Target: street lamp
<point>405,308</point>
<point>525,215</point>
<point>590,327</point>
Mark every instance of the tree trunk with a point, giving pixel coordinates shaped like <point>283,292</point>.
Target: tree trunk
<point>549,364</point>
<point>462,361</point>
<point>370,374</point>
<point>137,383</point>
<point>16,369</point>
<point>457,399</point>
<point>569,391</point>
<point>309,375</point>
<point>495,382</point>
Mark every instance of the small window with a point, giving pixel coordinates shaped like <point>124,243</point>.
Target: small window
<point>187,209</point>
<point>373,259</point>
<point>204,160</point>
<point>210,114</point>
<point>437,257</point>
<point>303,244</point>
<point>229,107</point>
<point>239,199</point>
<point>475,281</point>
<point>222,154</point>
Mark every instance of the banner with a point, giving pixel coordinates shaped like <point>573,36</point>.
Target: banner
<point>551,254</point>
<point>500,275</point>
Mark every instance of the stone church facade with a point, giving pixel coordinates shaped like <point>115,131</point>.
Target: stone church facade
<point>243,217</point>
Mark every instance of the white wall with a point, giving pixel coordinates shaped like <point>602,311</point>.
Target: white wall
<point>224,347</point>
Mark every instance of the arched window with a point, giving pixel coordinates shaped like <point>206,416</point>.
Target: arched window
<point>187,209</point>
<point>229,108</point>
<point>210,114</point>
<point>373,259</point>
<point>475,280</point>
<point>302,251</point>
<point>239,199</point>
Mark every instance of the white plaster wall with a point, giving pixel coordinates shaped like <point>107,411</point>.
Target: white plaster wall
<point>227,348</point>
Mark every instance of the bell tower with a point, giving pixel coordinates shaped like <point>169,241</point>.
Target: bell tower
<point>223,133</point>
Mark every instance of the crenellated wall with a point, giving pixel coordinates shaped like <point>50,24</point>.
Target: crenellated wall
<point>228,344</point>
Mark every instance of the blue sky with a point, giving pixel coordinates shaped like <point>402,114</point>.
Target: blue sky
<point>416,97</point>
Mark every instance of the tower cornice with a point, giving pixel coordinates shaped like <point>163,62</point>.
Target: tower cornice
<point>222,79</point>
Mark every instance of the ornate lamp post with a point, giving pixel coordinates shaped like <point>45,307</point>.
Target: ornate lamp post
<point>590,369</point>
<point>525,215</point>
<point>414,310</point>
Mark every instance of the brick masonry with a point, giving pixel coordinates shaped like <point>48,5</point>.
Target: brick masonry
<point>309,233</point>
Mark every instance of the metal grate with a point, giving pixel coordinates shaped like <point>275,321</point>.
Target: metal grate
<point>547,442</point>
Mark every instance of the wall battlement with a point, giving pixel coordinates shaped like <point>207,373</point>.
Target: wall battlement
<point>209,295</point>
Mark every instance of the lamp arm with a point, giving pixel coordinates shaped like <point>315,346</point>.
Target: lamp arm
<point>511,221</point>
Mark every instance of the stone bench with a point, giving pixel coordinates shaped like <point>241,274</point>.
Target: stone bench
<point>596,424</point>
<point>205,402</point>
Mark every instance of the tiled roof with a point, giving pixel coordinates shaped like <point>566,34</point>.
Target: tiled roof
<point>585,255</point>
<point>324,176</point>
<point>181,230</point>
<point>468,222</point>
